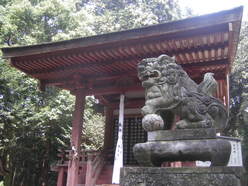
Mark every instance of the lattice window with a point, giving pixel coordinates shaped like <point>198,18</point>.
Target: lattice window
<point>133,133</point>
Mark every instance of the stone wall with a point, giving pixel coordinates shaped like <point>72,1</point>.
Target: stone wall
<point>197,176</point>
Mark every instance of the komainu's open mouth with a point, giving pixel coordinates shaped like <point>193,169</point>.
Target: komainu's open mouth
<point>153,74</point>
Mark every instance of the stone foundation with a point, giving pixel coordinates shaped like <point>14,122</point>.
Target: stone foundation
<point>196,176</point>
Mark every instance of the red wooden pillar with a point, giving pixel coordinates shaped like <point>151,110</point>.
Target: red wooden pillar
<point>61,175</point>
<point>109,127</point>
<point>73,166</point>
<point>228,91</point>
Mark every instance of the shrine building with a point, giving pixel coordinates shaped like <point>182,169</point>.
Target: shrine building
<point>106,66</point>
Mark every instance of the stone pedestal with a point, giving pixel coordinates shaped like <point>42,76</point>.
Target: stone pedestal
<point>196,176</point>
<point>182,145</point>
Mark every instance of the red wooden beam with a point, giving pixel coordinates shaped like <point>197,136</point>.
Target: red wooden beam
<point>130,104</point>
<point>107,90</point>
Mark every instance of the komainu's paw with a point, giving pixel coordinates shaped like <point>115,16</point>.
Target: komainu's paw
<point>182,124</point>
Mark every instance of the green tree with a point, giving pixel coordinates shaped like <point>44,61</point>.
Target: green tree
<point>25,22</point>
<point>239,93</point>
<point>33,126</point>
<point>119,15</point>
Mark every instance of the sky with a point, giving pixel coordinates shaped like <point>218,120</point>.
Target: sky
<point>201,7</point>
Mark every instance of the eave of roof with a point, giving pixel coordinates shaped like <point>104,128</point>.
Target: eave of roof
<point>227,16</point>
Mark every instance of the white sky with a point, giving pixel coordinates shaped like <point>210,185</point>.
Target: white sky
<point>201,7</point>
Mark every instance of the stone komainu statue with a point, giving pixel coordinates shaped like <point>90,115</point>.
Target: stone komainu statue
<point>169,91</point>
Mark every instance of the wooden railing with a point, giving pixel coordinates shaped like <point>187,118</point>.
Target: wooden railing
<point>92,160</point>
<point>65,156</point>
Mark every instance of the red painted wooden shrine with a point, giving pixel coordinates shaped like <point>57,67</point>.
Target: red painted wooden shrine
<point>105,66</point>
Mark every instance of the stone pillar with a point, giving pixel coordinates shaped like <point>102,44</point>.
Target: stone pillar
<point>73,166</point>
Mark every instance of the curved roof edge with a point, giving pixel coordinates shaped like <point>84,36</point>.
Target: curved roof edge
<point>226,16</point>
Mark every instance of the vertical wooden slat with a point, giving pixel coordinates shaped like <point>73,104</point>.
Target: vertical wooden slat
<point>191,57</point>
<point>226,52</point>
<point>169,44</point>
<point>164,46</point>
<point>194,57</point>
<point>24,64</point>
<point>205,55</point>
<point>200,56</point>
<point>92,56</point>
<point>116,54</point>
<point>191,43</point>
<point>106,68</point>
<point>219,53</point>
<point>204,40</point>
<point>209,55</point>
<point>183,61</point>
<point>85,57</point>
<point>53,62</point>
<point>158,47</point>
<point>174,44</point>
<point>123,52</point>
<point>99,55</point>
<point>212,54</point>
<point>103,53</point>
<point>151,48</point>
<point>225,36</point>
<point>222,53</point>
<point>197,56</point>
<point>187,57</point>
<point>211,39</point>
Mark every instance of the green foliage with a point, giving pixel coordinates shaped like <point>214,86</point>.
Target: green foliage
<point>239,93</point>
<point>119,15</point>
<point>93,129</point>
<point>33,126</point>
<point>26,22</point>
